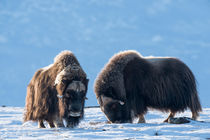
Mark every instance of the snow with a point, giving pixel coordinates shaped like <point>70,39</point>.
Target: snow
<point>94,126</point>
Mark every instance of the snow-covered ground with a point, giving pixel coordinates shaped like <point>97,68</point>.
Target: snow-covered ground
<point>94,126</point>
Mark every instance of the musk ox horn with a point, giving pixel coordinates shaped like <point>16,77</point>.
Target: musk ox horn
<point>60,76</point>
<point>74,68</point>
<point>60,96</point>
<point>121,102</point>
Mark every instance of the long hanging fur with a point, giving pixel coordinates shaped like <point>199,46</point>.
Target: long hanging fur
<point>162,83</point>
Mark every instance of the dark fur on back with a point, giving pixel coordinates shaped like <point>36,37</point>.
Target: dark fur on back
<point>166,84</point>
<point>47,83</point>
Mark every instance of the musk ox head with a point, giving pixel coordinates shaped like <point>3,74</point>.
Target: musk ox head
<point>73,99</point>
<point>115,110</point>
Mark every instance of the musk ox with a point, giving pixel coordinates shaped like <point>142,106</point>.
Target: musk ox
<point>57,93</point>
<point>130,84</point>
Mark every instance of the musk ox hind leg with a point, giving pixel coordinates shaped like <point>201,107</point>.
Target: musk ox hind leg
<point>141,119</point>
<point>194,115</point>
<point>171,115</point>
<point>195,106</point>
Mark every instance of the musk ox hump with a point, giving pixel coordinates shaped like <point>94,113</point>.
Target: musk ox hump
<point>62,55</point>
<point>112,73</point>
<point>120,60</point>
<point>47,67</point>
<point>64,59</point>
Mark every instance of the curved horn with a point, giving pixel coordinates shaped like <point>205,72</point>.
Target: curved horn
<point>121,102</point>
<point>60,96</point>
<point>66,71</point>
<point>60,75</point>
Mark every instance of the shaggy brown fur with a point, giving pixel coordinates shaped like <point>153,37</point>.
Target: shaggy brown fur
<point>49,93</point>
<point>129,84</point>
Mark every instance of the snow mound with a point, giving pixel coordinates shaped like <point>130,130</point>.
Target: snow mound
<point>94,126</point>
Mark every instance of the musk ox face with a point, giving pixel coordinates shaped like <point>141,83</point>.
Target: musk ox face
<point>115,110</point>
<point>73,100</point>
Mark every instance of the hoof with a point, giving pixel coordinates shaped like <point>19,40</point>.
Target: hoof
<point>180,120</point>
<point>165,120</point>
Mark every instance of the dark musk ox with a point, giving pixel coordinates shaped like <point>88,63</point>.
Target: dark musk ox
<point>130,84</point>
<point>57,93</point>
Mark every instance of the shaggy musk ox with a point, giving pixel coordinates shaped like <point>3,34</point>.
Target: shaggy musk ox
<point>57,92</point>
<point>130,84</point>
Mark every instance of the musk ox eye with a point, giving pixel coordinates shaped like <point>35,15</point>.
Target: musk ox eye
<point>113,107</point>
<point>67,95</point>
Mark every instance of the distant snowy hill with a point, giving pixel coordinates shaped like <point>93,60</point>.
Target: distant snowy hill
<point>94,126</point>
<point>33,32</point>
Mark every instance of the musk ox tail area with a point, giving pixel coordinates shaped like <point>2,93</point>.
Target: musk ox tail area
<point>195,106</point>
<point>29,105</point>
<point>190,87</point>
<point>194,103</point>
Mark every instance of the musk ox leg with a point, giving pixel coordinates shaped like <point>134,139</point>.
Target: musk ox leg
<point>171,115</point>
<point>58,122</point>
<point>51,124</point>
<point>72,121</point>
<point>194,115</point>
<point>141,119</point>
<point>41,124</point>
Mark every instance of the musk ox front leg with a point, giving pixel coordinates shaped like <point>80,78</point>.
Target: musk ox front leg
<point>72,121</point>
<point>41,124</point>
<point>51,124</point>
<point>58,122</point>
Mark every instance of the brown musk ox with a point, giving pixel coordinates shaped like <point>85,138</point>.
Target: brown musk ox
<point>57,93</point>
<point>130,84</point>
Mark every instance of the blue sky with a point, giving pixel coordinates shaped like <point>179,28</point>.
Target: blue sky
<point>33,32</point>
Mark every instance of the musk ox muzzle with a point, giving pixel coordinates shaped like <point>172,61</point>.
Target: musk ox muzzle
<point>73,99</point>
